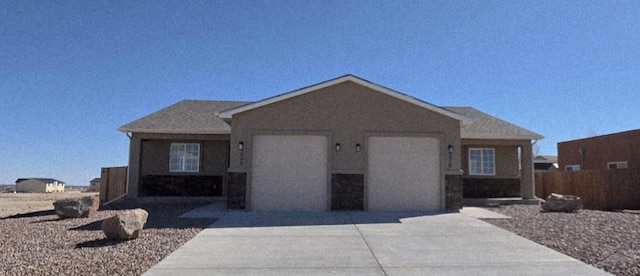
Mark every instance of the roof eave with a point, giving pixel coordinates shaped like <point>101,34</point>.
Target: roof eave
<point>227,114</point>
<point>174,131</point>
<point>506,137</point>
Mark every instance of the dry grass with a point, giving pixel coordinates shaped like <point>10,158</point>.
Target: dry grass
<point>22,203</point>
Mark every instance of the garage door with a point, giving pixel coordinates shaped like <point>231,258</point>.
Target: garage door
<point>289,173</point>
<point>403,174</point>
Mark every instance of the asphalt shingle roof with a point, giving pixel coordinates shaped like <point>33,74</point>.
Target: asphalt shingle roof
<point>199,117</point>
<point>485,126</point>
<point>187,116</point>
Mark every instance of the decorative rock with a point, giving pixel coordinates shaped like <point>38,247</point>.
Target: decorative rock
<point>95,205</point>
<point>77,207</point>
<point>562,203</point>
<point>125,225</point>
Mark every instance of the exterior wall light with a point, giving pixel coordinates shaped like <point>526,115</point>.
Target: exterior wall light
<point>450,149</point>
<point>241,146</point>
<point>358,148</point>
<point>338,146</point>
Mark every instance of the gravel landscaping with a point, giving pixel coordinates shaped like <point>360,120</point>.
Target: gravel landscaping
<point>41,244</point>
<point>607,240</point>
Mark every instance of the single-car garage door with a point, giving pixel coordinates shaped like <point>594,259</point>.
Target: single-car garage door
<point>289,173</point>
<point>403,174</point>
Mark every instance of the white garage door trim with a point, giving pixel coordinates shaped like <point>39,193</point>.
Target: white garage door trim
<point>289,173</point>
<point>404,174</point>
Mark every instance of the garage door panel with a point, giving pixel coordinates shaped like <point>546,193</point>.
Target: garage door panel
<point>289,173</point>
<point>403,173</point>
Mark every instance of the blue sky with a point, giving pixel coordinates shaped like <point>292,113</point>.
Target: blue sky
<point>72,72</point>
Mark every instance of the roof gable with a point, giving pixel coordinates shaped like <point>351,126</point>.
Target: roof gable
<point>185,117</point>
<point>227,114</point>
<point>485,126</point>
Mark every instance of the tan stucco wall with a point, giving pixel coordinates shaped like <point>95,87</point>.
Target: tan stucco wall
<point>149,155</point>
<point>506,158</point>
<point>213,157</point>
<point>348,113</point>
<point>507,163</point>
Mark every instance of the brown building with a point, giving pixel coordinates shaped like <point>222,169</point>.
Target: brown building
<point>611,151</point>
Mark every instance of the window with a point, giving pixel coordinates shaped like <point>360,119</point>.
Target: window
<point>184,157</point>
<point>572,168</point>
<point>617,165</point>
<point>482,161</point>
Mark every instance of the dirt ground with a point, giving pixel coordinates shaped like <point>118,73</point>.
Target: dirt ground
<point>22,203</point>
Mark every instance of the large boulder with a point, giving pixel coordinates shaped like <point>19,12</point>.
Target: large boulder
<point>125,225</point>
<point>562,203</point>
<point>77,207</point>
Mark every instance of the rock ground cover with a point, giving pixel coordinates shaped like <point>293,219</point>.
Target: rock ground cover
<point>607,240</point>
<point>42,244</point>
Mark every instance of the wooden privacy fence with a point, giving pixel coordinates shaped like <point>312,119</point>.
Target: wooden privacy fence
<point>599,189</point>
<point>113,183</point>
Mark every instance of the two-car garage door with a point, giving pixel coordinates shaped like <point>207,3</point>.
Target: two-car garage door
<point>289,173</point>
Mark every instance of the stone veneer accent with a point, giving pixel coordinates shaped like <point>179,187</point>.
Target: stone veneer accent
<point>347,192</point>
<point>491,187</point>
<point>236,190</point>
<point>453,192</point>
<point>181,185</point>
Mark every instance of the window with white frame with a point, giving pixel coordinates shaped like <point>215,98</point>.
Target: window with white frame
<point>482,161</point>
<point>184,157</point>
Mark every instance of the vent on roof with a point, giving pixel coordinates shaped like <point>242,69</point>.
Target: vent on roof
<point>617,165</point>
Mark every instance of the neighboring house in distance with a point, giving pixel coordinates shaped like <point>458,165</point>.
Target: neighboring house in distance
<point>612,151</point>
<point>94,184</point>
<point>343,144</point>
<point>39,185</point>
<point>545,163</point>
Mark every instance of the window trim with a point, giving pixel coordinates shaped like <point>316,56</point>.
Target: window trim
<point>183,156</point>
<point>493,161</point>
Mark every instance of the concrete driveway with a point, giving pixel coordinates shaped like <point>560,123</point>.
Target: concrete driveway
<point>363,243</point>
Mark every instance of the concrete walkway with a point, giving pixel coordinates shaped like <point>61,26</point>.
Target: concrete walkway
<point>362,243</point>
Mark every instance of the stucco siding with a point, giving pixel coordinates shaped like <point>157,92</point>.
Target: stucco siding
<point>213,156</point>
<point>507,163</point>
<point>149,155</point>
<point>347,112</point>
